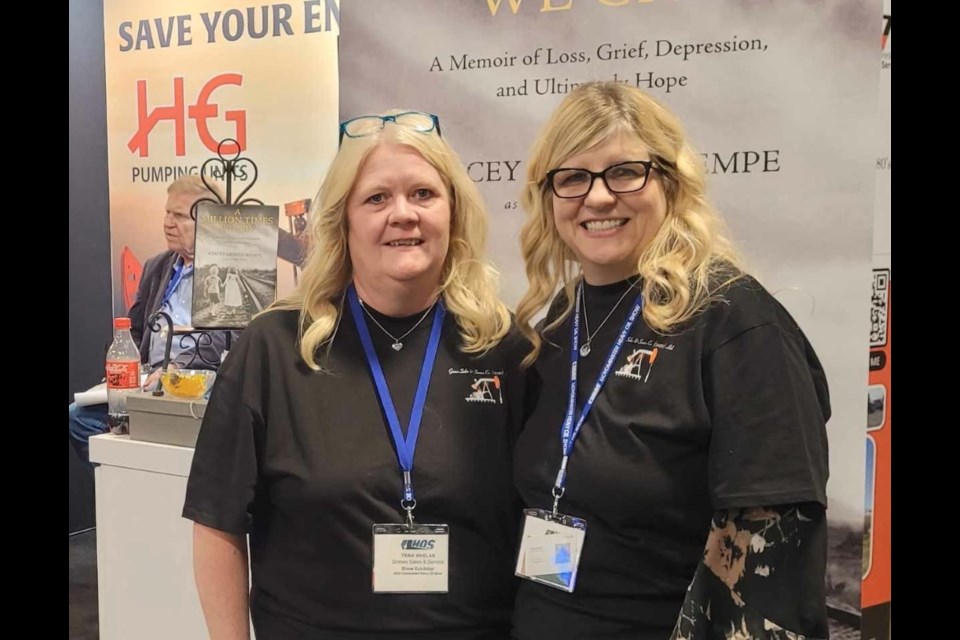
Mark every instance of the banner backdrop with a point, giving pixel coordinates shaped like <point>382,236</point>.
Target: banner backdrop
<point>184,75</point>
<point>780,98</point>
<point>876,536</point>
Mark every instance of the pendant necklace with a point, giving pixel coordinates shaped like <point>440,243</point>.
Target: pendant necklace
<point>585,347</point>
<point>397,341</point>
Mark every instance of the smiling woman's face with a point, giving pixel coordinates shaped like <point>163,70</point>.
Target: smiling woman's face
<point>398,219</point>
<point>609,231</point>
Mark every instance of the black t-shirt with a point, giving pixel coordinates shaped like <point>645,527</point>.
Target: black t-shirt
<point>304,461</point>
<point>727,411</point>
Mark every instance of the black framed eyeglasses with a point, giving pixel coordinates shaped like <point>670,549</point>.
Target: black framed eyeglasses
<point>623,177</point>
<point>368,125</point>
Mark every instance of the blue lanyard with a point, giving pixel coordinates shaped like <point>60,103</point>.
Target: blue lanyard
<point>405,446</point>
<point>174,281</point>
<point>571,429</point>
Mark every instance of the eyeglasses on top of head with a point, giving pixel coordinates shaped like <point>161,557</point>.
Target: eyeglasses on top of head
<point>623,177</point>
<point>368,125</point>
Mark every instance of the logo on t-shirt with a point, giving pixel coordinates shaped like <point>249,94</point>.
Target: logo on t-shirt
<point>486,390</point>
<point>486,385</point>
<point>639,364</point>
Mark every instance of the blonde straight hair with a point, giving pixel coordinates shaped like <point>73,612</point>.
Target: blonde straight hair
<point>690,257</point>
<point>468,283</point>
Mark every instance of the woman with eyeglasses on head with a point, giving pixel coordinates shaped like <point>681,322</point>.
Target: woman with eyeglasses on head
<point>674,467</point>
<point>361,430</point>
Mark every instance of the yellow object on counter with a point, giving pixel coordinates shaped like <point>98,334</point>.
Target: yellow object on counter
<point>187,384</point>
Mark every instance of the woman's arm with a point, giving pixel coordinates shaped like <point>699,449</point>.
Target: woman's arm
<point>220,569</point>
<point>761,577</point>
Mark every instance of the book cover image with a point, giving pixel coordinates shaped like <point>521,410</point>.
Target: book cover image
<point>235,263</point>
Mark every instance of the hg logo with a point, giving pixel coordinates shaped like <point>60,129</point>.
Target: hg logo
<point>179,111</point>
<point>423,545</point>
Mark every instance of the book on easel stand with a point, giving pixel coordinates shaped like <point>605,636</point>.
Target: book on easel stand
<point>235,263</point>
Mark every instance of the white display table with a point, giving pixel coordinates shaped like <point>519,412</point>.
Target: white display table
<point>144,547</point>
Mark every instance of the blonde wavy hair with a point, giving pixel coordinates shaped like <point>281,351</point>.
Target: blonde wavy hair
<point>689,258</point>
<point>468,282</point>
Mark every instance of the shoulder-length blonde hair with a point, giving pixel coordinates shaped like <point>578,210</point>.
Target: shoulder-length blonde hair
<point>680,266</point>
<point>468,282</point>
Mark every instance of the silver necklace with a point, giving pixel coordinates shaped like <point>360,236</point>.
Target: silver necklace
<point>585,347</point>
<point>397,342</point>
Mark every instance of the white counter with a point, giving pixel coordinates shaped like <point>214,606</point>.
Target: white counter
<point>144,547</point>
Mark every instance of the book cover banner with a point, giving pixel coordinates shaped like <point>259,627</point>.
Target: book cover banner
<point>779,99</point>
<point>235,263</point>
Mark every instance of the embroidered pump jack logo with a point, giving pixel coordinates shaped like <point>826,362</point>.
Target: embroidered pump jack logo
<point>639,364</point>
<point>486,390</point>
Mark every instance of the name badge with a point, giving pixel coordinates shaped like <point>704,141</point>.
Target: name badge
<point>411,559</point>
<point>550,548</point>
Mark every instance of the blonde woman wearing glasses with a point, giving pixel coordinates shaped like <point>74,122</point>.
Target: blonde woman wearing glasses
<point>394,343</point>
<point>677,451</point>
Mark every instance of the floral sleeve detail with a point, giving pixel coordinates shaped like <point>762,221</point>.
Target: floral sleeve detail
<point>761,577</point>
